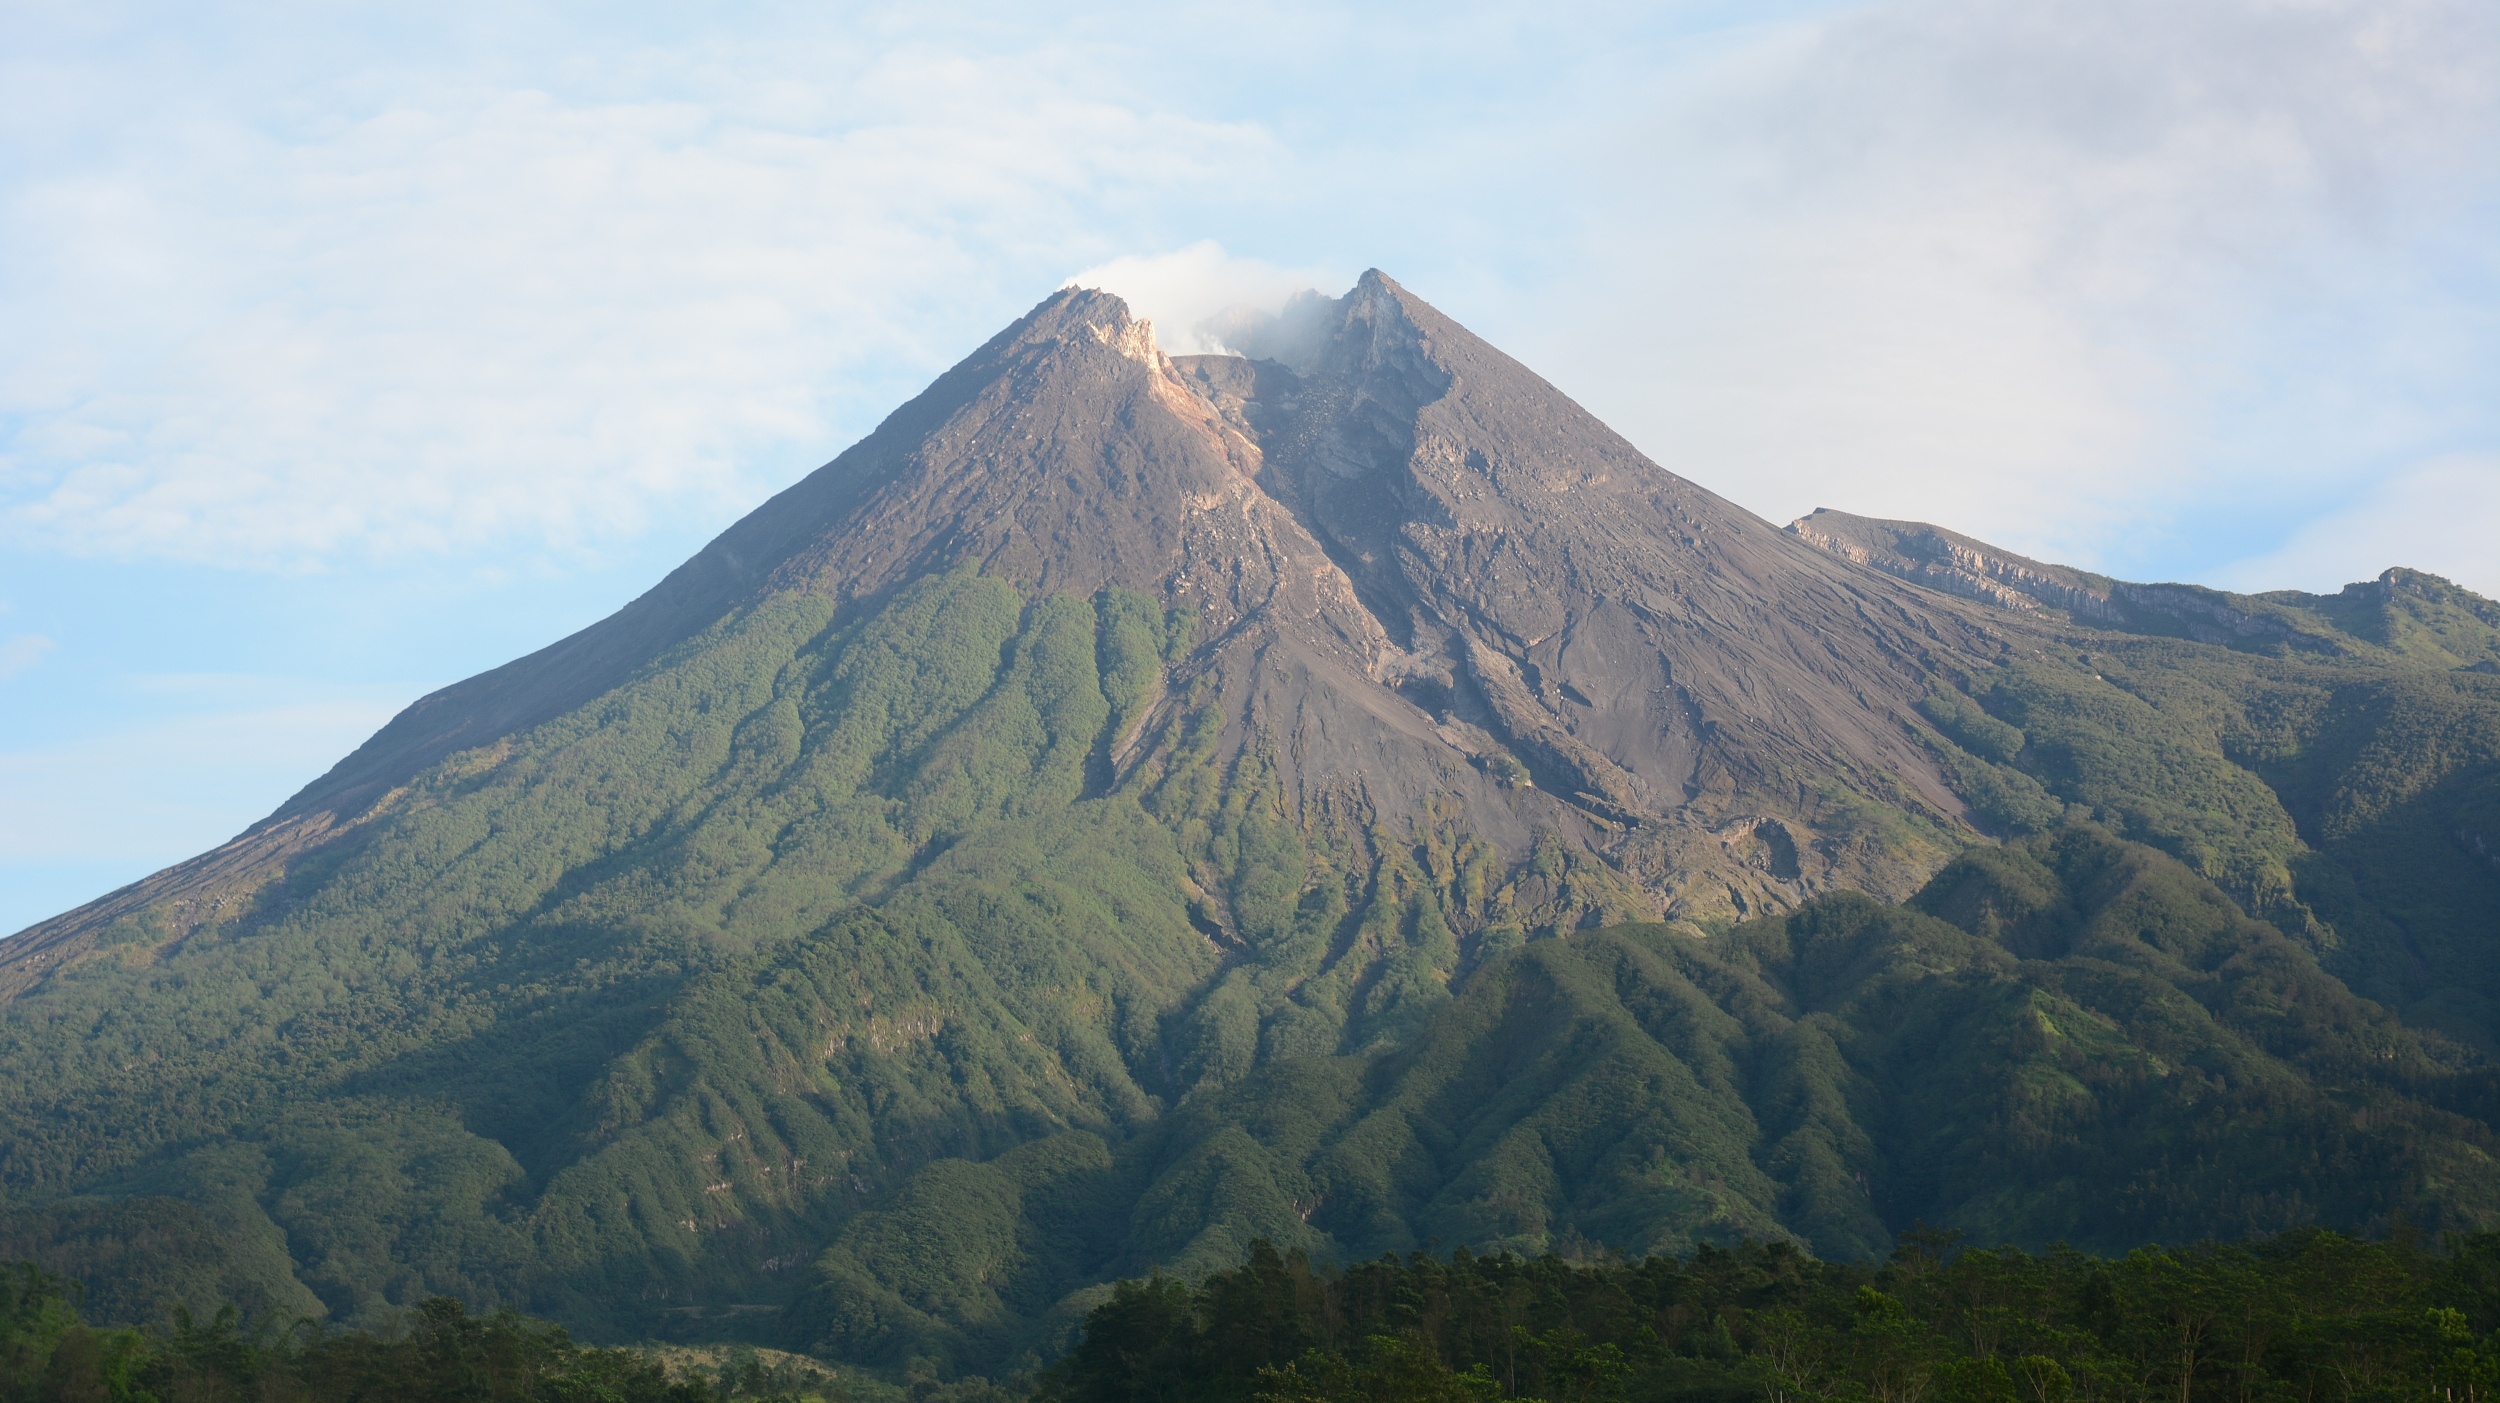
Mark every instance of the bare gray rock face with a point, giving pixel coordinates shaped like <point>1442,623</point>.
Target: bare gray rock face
<point>1958,564</point>
<point>1674,672</point>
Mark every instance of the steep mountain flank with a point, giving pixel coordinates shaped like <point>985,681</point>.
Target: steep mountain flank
<point>1125,804</point>
<point>1418,574</point>
<point>2338,769</point>
<point>1680,673</point>
<point>2069,1039</point>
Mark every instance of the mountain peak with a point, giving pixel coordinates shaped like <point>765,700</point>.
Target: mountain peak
<point>1416,569</point>
<point>1130,804</point>
<point>1451,566</point>
<point>1076,313</point>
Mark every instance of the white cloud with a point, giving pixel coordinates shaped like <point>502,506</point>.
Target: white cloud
<point>2083,276</point>
<point>478,318</point>
<point>2442,516</point>
<point>2119,281</point>
<point>1182,291</point>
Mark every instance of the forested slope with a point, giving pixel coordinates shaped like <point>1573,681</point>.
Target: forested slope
<point>1127,807</point>
<point>2068,1039</point>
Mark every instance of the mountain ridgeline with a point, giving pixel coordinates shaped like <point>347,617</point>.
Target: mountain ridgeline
<point>1129,806</point>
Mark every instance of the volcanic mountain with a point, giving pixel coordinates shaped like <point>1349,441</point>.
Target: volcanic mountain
<point>1128,804</point>
<point>1414,572</point>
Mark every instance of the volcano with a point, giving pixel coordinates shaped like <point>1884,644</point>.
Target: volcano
<point>1129,804</point>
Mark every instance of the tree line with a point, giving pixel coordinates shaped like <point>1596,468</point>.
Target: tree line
<point>444,1355</point>
<point>2310,1317</point>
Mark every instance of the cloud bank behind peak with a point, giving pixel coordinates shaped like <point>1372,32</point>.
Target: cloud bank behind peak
<point>2153,287</point>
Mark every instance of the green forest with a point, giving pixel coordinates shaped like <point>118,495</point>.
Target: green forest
<point>441,1353</point>
<point>2310,1315</point>
<point>882,982</point>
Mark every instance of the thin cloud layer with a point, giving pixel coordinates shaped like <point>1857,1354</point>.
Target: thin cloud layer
<point>2446,510</point>
<point>502,319</point>
<point>2142,285</point>
<point>2134,284</point>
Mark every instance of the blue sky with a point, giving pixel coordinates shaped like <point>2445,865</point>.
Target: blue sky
<point>351,350</point>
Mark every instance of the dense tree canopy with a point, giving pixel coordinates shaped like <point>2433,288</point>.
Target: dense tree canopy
<point>2308,1316</point>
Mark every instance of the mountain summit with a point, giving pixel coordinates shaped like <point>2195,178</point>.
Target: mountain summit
<point>1128,804</point>
<point>1416,570</point>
